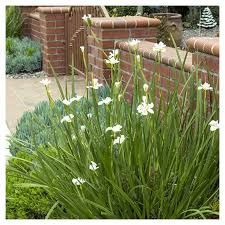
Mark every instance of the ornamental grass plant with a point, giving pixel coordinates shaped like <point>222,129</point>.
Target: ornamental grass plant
<point>146,159</point>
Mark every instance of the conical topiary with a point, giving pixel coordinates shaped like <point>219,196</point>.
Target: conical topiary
<point>207,20</point>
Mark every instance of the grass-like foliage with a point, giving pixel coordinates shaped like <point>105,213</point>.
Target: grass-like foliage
<point>22,55</point>
<point>149,158</point>
<point>14,21</point>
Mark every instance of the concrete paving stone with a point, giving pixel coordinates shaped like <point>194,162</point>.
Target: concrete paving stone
<point>24,94</point>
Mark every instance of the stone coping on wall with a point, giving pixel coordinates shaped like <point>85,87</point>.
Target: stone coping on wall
<point>35,15</point>
<point>204,44</point>
<point>124,22</point>
<point>169,57</point>
<point>54,9</point>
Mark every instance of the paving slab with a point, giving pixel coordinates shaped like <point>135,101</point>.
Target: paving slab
<point>24,94</point>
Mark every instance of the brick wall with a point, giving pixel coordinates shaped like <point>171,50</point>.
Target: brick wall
<point>109,30</point>
<point>26,11</point>
<point>35,29</point>
<point>170,68</point>
<point>206,56</point>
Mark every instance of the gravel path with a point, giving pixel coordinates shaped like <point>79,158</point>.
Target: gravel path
<point>199,32</point>
<point>27,75</point>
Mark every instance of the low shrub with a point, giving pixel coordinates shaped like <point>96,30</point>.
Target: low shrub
<point>22,203</point>
<point>34,128</point>
<point>14,21</point>
<point>22,56</point>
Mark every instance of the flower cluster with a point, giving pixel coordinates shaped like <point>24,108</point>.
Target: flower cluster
<point>45,82</point>
<point>134,43</point>
<point>205,87</point>
<point>67,118</point>
<point>116,129</point>
<point>87,19</point>
<point>145,108</point>
<point>78,181</point>
<point>214,125</point>
<point>113,57</point>
<point>69,101</point>
<point>160,47</point>
<point>105,101</point>
<point>95,85</point>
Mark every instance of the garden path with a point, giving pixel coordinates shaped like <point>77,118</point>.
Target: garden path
<point>23,94</point>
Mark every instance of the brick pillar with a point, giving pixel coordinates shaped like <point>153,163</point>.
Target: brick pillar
<point>25,11</point>
<point>52,21</point>
<point>206,56</point>
<point>109,30</point>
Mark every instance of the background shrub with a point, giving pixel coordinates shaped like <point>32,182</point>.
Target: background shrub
<point>14,21</point>
<point>22,203</point>
<point>22,56</point>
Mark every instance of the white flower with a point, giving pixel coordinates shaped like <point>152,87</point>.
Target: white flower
<point>112,60</point>
<point>86,18</point>
<point>134,43</point>
<point>144,108</point>
<point>95,84</point>
<point>160,47</point>
<point>77,98</point>
<point>83,128</point>
<point>67,118</point>
<point>114,129</point>
<point>145,87</point>
<point>119,97</point>
<point>89,115</point>
<point>68,102</point>
<point>93,166</point>
<point>114,53</point>
<point>117,84</point>
<point>82,48</point>
<point>205,87</point>
<point>214,125</point>
<point>119,140</point>
<point>144,99</point>
<point>45,82</point>
<point>78,181</point>
<point>138,58</point>
<point>73,137</point>
<point>105,101</point>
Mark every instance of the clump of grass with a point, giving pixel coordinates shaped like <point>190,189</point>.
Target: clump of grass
<point>142,159</point>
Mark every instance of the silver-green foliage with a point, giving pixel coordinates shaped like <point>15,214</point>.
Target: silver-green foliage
<point>167,167</point>
<point>22,56</point>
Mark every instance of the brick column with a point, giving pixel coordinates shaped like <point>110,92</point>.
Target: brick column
<point>52,21</point>
<point>26,10</point>
<point>109,30</point>
<point>206,56</point>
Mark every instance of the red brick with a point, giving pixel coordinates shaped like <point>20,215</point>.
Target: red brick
<point>55,31</point>
<point>55,44</point>
<point>114,34</point>
<point>60,23</point>
<point>147,32</point>
<point>54,17</point>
